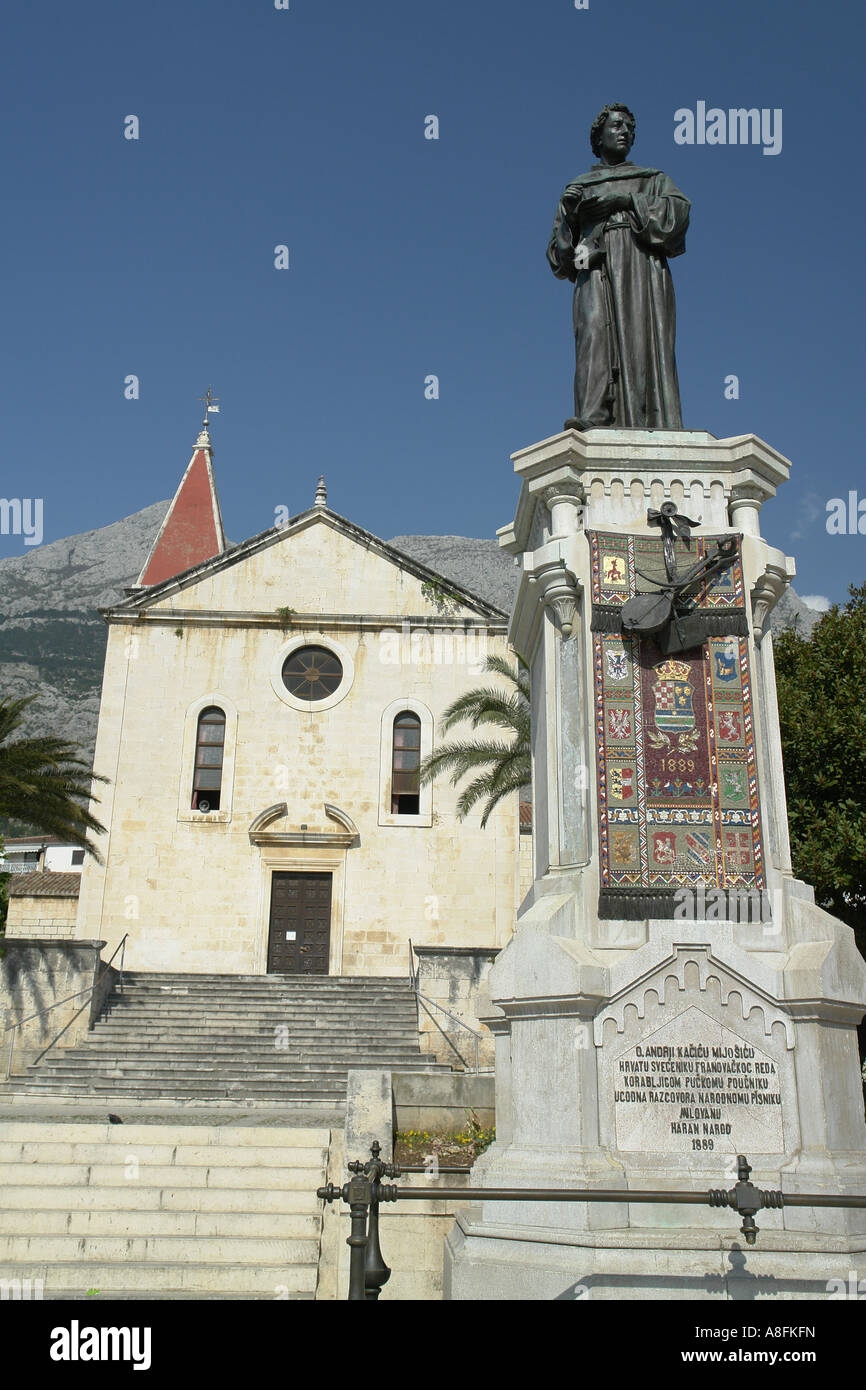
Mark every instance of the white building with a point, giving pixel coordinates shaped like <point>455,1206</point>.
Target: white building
<point>264,711</point>
<point>31,853</point>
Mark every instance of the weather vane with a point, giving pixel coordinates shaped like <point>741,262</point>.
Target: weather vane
<point>211,406</point>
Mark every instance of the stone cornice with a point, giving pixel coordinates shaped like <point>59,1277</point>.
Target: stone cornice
<point>576,460</point>
<point>672,449</point>
<point>298,622</point>
<point>331,839</point>
<point>552,1006</point>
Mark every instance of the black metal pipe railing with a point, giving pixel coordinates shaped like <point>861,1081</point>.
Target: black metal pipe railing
<point>365,1191</point>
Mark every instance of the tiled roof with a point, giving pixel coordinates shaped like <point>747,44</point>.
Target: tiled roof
<point>192,531</point>
<point>44,885</point>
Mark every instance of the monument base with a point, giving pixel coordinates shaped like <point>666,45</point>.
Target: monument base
<point>487,1260</point>
<point>654,1067</point>
<point>672,996</point>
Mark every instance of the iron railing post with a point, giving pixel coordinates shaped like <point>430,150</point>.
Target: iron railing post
<point>368,1272</point>
<point>376,1272</point>
<point>358,1191</point>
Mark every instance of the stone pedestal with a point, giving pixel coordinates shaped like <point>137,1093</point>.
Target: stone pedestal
<point>648,1053</point>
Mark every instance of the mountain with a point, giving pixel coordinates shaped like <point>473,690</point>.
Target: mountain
<point>52,639</point>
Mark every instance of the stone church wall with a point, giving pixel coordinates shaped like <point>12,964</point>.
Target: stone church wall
<point>193,891</point>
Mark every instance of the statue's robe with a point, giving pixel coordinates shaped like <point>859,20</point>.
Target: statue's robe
<point>624,307</point>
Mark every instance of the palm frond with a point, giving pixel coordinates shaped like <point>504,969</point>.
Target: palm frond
<point>488,706</point>
<point>44,783</point>
<point>459,758</point>
<point>502,767</point>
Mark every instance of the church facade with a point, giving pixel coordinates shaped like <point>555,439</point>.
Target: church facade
<point>264,711</point>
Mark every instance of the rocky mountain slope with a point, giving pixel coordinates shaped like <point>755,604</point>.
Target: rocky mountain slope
<point>52,639</point>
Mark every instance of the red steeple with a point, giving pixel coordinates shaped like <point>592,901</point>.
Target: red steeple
<point>193,529</point>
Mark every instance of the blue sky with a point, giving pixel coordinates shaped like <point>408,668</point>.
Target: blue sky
<point>305,127</point>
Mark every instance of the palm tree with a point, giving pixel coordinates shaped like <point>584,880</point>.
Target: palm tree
<point>502,767</point>
<point>44,783</point>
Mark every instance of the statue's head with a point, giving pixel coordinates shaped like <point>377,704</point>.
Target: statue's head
<point>624,122</point>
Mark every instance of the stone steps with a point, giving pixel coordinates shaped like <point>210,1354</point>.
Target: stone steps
<point>161,1210</point>
<point>170,1037</point>
<point>353,1007</point>
<point>149,1225</point>
<point>155,1046</point>
<point>109,1091</point>
<point>203,1058</point>
<point>191,1026</point>
<point>57,1150</point>
<point>357,1013</point>
<point>151,1280</point>
<point>196,1063</point>
<point>231,1250</point>
<point>244,1202</point>
<point>176,977</point>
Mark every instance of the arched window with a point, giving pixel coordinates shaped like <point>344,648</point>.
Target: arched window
<point>209,746</point>
<point>405,762</point>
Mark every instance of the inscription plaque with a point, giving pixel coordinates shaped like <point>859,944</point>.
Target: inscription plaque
<point>695,1086</point>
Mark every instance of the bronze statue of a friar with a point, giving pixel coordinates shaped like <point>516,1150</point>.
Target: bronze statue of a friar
<point>615,229</point>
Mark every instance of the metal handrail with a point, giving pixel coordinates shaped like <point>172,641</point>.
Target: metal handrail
<point>412,974</point>
<point>89,990</point>
<point>365,1191</point>
<point>424,1000</point>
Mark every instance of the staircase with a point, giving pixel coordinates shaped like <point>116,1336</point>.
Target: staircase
<point>250,1038</point>
<point>160,1210</point>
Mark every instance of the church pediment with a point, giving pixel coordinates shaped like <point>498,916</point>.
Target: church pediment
<point>316,564</point>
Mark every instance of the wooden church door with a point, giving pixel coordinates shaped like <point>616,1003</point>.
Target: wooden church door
<point>299,940</point>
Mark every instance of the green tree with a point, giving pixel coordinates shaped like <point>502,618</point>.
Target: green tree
<point>822,712</point>
<point>498,767</point>
<point>44,783</point>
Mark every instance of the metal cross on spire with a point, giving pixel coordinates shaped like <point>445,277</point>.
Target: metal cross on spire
<point>211,406</point>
